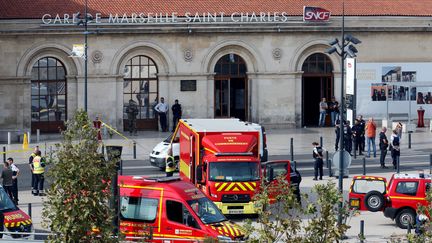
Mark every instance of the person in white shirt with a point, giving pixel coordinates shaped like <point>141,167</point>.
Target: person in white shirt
<point>15,173</point>
<point>162,109</point>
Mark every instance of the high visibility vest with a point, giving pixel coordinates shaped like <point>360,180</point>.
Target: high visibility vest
<point>37,167</point>
<point>169,164</point>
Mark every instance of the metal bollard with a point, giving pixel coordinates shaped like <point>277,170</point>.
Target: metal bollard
<point>30,210</point>
<point>430,163</point>
<point>321,141</point>
<point>364,166</point>
<point>45,149</point>
<point>355,150</point>
<point>361,235</point>
<point>4,154</point>
<point>103,149</point>
<point>398,164</point>
<point>327,159</point>
<point>409,140</point>
<point>409,228</point>
<point>28,137</point>
<point>330,168</point>
<point>292,149</point>
<point>295,165</point>
<point>134,150</point>
<point>50,152</point>
<point>37,135</point>
<point>9,138</point>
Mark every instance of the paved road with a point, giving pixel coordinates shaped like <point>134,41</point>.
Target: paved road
<point>412,161</point>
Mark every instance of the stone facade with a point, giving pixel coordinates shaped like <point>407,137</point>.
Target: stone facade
<point>274,54</point>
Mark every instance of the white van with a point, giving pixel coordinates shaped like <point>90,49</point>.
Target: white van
<point>160,151</point>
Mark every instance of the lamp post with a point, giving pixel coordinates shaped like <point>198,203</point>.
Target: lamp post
<point>343,48</point>
<point>84,22</point>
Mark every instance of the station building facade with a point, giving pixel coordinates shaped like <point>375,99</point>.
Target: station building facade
<point>217,61</point>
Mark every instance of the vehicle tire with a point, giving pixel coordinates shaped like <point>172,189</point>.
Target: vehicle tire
<point>374,201</point>
<point>404,217</point>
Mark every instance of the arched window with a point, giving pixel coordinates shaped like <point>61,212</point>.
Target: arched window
<point>231,65</point>
<point>141,85</point>
<point>318,63</point>
<point>48,95</point>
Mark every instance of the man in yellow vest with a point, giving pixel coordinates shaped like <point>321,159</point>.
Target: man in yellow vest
<point>170,166</point>
<point>31,166</point>
<point>38,172</point>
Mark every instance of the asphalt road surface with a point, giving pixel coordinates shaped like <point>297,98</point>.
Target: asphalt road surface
<point>413,161</point>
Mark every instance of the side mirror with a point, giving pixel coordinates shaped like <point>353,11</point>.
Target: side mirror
<point>269,174</point>
<point>190,220</point>
<point>199,174</point>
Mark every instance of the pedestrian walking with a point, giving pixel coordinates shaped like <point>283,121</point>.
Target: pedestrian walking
<point>162,109</point>
<point>15,174</point>
<point>395,148</point>
<point>132,112</point>
<point>38,171</point>
<point>370,136</point>
<point>383,145</point>
<point>318,165</point>
<point>177,113</point>
<point>357,133</point>
<point>6,176</point>
<point>32,155</point>
<point>323,111</point>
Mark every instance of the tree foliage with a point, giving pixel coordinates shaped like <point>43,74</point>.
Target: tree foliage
<point>77,206</point>
<point>287,221</point>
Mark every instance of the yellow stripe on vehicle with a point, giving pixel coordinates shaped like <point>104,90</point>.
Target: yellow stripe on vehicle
<point>241,186</point>
<point>225,229</point>
<point>229,187</point>
<point>6,224</point>
<point>254,184</point>
<point>249,186</point>
<point>230,229</point>
<point>222,186</point>
<point>408,198</point>
<point>184,168</point>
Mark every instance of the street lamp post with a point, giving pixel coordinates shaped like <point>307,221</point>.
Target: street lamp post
<point>343,49</point>
<point>84,22</point>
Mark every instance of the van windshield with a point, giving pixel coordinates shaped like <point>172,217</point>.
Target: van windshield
<point>233,171</point>
<point>6,203</point>
<point>206,210</point>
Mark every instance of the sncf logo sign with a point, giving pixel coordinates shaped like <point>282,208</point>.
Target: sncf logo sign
<point>315,14</point>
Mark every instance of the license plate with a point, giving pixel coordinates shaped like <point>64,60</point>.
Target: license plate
<point>152,160</point>
<point>235,211</point>
<point>355,203</point>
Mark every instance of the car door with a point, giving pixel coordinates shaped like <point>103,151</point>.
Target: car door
<point>271,171</point>
<point>180,222</point>
<point>367,191</point>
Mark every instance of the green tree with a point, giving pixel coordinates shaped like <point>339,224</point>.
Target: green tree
<point>77,205</point>
<point>286,221</point>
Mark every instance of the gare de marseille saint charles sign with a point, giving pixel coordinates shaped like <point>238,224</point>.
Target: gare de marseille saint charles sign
<point>310,14</point>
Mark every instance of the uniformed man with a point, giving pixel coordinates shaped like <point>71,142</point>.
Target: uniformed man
<point>38,171</point>
<point>170,166</point>
<point>318,156</point>
<point>31,165</point>
<point>357,134</point>
<point>347,137</point>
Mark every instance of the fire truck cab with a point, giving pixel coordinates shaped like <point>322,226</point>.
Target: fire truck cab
<point>222,158</point>
<point>170,210</point>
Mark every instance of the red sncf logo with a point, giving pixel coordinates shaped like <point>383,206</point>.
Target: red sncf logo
<point>315,14</point>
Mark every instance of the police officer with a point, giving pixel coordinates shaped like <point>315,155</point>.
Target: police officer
<point>170,166</point>
<point>318,156</point>
<point>31,165</point>
<point>38,171</point>
<point>132,112</point>
<point>357,133</point>
<point>347,137</point>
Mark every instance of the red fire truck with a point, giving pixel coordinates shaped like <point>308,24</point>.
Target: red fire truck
<point>221,157</point>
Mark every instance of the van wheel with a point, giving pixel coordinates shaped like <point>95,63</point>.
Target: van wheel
<point>405,217</point>
<point>374,201</point>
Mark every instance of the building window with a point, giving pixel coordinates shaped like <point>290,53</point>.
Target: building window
<point>140,85</point>
<point>231,65</point>
<point>318,63</point>
<point>48,91</point>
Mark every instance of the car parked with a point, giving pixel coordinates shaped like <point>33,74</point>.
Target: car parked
<point>398,200</point>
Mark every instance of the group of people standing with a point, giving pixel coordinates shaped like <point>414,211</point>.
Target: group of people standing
<point>328,108</point>
<point>365,132</point>
<point>160,110</point>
